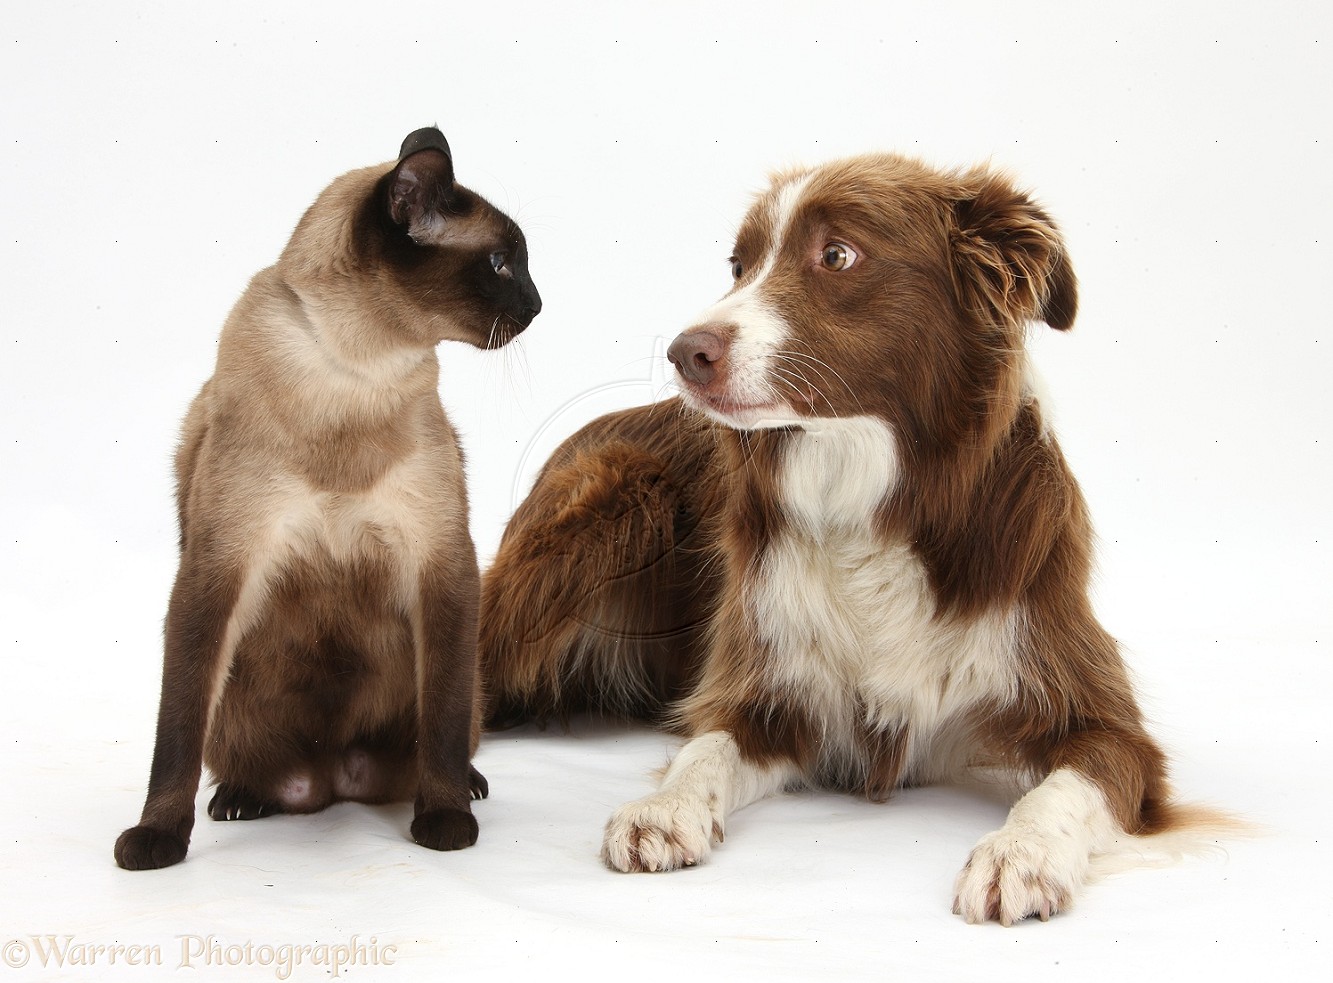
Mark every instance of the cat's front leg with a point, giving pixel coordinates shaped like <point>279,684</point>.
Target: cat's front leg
<point>200,633</point>
<point>449,707</point>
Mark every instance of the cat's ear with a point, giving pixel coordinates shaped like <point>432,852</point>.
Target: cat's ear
<point>423,182</point>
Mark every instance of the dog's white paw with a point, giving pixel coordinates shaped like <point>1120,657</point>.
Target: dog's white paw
<point>1012,874</point>
<point>664,831</point>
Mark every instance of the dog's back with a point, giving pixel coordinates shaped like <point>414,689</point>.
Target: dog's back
<point>600,595</point>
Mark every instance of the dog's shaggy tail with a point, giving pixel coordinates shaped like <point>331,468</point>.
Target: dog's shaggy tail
<point>1182,830</point>
<point>602,587</point>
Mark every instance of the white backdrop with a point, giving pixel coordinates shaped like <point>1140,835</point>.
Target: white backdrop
<point>155,155</point>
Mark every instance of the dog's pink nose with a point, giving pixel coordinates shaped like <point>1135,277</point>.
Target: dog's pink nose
<point>696,354</point>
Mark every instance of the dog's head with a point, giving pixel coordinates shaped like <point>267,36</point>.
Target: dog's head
<point>878,286</point>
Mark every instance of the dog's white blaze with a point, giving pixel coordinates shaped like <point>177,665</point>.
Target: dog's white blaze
<point>760,329</point>
<point>783,208</point>
<point>1040,858</point>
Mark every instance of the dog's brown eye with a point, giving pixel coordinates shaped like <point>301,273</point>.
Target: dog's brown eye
<point>838,256</point>
<point>737,268</point>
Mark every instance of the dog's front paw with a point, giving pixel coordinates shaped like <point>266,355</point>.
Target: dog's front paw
<point>660,832</point>
<point>145,848</point>
<point>1009,877</point>
<point>445,829</point>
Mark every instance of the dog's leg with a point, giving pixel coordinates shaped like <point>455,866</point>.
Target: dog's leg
<point>449,715</point>
<point>202,628</point>
<point>677,825</point>
<point>1039,859</point>
<point>1105,780</point>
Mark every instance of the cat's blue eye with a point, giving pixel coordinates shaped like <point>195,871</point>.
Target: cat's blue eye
<point>498,261</point>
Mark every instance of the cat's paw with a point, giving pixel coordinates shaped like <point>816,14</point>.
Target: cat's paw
<point>477,783</point>
<point>233,802</point>
<point>1008,878</point>
<point>664,831</point>
<point>445,829</point>
<point>145,848</point>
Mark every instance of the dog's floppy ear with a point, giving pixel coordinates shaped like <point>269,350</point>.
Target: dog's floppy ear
<point>1009,254</point>
<point>420,187</point>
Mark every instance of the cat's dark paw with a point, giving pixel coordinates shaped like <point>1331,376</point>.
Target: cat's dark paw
<point>145,848</point>
<point>477,783</point>
<point>445,829</point>
<point>232,802</point>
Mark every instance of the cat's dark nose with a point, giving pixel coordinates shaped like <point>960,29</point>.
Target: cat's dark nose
<point>697,355</point>
<point>530,305</point>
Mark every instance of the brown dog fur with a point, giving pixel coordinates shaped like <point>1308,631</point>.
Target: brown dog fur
<point>643,574</point>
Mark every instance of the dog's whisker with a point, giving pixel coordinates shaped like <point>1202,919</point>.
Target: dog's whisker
<point>806,394</point>
<point>821,367</point>
<point>810,391</point>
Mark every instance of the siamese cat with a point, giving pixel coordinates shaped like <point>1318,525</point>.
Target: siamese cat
<point>321,637</point>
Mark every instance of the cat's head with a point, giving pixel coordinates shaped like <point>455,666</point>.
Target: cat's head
<point>425,254</point>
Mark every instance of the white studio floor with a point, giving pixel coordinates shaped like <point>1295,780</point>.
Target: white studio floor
<point>156,155</point>
<point>810,885</point>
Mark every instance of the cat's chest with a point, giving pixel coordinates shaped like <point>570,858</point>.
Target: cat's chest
<point>402,516</point>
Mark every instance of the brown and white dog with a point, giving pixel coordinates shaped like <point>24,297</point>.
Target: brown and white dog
<point>853,554</point>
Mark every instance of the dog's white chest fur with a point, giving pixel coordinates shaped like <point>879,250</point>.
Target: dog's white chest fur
<point>851,620</point>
